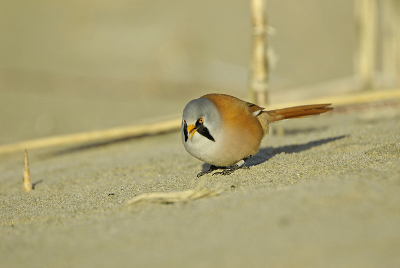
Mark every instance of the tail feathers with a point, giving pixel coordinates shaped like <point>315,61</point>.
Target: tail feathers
<point>298,111</point>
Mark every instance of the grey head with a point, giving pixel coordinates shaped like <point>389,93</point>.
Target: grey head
<point>201,126</point>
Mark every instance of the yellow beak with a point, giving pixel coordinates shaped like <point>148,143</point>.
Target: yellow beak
<point>191,130</point>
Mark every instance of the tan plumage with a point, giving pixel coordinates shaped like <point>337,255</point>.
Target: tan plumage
<point>225,130</point>
<point>242,131</point>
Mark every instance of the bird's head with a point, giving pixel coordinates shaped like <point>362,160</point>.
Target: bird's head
<point>201,122</point>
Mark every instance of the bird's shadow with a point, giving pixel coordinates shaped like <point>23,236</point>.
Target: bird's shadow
<point>268,152</point>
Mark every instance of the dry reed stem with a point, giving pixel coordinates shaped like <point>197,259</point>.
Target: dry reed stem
<point>346,99</point>
<point>173,197</point>
<point>258,92</point>
<point>396,29</point>
<point>108,134</point>
<point>365,58</point>
<point>389,46</point>
<point>26,178</point>
<point>132,131</point>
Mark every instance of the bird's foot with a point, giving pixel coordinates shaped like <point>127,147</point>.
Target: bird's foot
<point>230,170</point>
<point>211,169</point>
<point>226,170</point>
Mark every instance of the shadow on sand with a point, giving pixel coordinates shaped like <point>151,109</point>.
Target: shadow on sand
<point>268,152</point>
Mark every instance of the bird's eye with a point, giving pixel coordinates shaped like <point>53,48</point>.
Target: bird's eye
<point>201,120</point>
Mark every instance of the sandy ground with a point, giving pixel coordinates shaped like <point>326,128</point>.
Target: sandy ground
<point>325,194</point>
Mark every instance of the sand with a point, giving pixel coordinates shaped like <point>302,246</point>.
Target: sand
<point>324,194</point>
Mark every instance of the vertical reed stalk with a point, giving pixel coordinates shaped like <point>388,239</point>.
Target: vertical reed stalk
<point>365,60</point>
<point>389,47</point>
<point>396,30</point>
<point>26,178</point>
<point>258,92</point>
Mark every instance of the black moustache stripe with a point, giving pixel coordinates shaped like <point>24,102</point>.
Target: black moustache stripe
<point>185,133</point>
<point>204,131</point>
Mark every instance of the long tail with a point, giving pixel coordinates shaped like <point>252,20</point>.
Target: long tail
<point>296,112</point>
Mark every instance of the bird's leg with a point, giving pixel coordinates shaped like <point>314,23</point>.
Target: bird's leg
<point>232,169</point>
<point>241,163</point>
<point>211,169</point>
<point>228,170</point>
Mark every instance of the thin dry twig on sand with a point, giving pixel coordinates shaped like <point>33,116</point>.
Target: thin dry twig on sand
<point>173,197</point>
<point>26,178</point>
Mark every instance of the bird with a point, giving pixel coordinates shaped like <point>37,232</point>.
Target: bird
<point>225,131</point>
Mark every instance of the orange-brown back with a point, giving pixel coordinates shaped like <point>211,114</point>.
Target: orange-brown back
<point>243,131</point>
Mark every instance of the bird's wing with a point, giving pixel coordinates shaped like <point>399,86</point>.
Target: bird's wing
<point>254,109</point>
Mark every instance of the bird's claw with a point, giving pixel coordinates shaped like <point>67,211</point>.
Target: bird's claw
<point>211,169</point>
<point>230,170</point>
<point>225,171</point>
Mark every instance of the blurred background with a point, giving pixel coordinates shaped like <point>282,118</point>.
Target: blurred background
<point>80,65</point>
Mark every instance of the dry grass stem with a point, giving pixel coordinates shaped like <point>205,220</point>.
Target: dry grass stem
<point>100,135</point>
<point>365,60</point>
<point>346,99</point>
<point>258,92</point>
<point>396,30</point>
<point>26,178</point>
<point>390,13</point>
<point>173,197</point>
<point>389,46</point>
<point>165,126</point>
